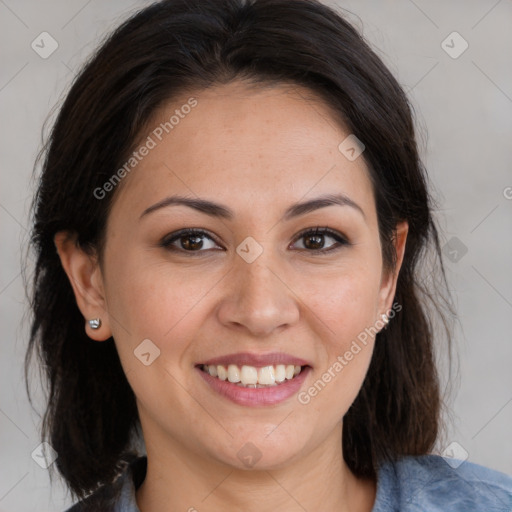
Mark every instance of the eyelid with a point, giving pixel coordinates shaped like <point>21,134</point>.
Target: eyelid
<point>322,230</point>
<point>176,235</point>
<point>341,239</point>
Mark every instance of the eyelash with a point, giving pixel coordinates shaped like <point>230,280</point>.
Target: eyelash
<point>193,232</point>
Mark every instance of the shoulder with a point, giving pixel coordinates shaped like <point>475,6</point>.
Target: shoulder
<point>433,483</point>
<point>119,496</point>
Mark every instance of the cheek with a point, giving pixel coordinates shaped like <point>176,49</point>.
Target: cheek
<point>152,301</point>
<point>346,305</point>
<point>156,301</point>
<point>345,301</point>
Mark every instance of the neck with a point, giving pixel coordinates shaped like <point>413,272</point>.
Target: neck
<point>179,479</point>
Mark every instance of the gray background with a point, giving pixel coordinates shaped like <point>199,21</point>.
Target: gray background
<point>465,103</point>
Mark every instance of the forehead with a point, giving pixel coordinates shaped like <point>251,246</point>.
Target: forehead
<point>244,144</point>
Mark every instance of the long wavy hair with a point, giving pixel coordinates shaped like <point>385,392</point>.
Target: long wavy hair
<point>162,51</point>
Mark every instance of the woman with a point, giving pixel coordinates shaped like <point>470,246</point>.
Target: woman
<point>229,230</point>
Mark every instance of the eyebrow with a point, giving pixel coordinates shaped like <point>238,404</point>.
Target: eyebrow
<point>217,210</point>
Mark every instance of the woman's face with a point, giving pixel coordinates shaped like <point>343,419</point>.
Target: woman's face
<point>251,285</point>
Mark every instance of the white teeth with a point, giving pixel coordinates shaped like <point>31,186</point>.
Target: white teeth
<point>252,377</point>
<point>266,375</point>
<point>233,373</point>
<point>249,375</point>
<point>280,374</point>
<point>222,373</point>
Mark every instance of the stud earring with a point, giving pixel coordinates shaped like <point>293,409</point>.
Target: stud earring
<point>95,323</point>
<point>385,319</point>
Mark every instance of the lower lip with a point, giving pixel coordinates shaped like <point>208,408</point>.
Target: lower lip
<point>254,397</point>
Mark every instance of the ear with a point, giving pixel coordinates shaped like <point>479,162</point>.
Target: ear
<point>390,277</point>
<point>85,276</point>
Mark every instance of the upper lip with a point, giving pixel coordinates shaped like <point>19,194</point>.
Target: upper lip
<point>258,360</point>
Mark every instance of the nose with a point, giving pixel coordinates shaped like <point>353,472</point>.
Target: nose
<point>258,298</point>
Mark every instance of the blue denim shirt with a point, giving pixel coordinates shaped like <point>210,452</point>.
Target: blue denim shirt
<point>413,484</point>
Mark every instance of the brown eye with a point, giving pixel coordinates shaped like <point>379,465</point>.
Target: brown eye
<point>315,240</point>
<point>189,240</point>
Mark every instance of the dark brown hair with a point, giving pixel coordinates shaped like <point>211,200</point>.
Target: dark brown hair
<point>176,46</point>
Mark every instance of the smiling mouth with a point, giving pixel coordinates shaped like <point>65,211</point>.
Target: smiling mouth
<point>251,376</point>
